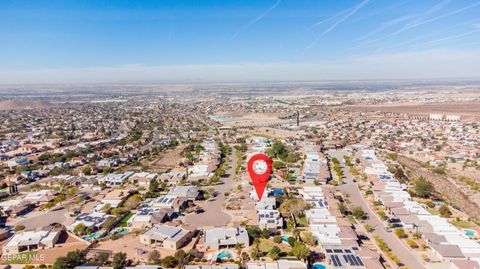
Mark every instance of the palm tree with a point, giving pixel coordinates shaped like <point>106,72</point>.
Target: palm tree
<point>244,258</point>
<point>296,234</point>
<point>238,248</point>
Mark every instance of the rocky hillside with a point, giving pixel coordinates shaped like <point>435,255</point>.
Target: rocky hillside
<point>450,188</point>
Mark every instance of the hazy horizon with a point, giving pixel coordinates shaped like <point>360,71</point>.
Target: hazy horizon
<point>221,41</point>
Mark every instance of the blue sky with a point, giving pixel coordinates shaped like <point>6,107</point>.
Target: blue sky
<point>112,41</point>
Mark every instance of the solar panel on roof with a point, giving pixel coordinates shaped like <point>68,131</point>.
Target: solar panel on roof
<point>329,250</point>
<point>347,251</point>
<point>338,251</point>
<point>359,261</point>
<point>338,261</point>
<point>334,260</point>
<point>352,259</point>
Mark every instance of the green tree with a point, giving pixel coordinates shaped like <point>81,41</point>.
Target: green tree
<point>107,170</point>
<point>382,215</point>
<point>369,228</point>
<point>117,211</point>
<point>278,164</point>
<point>119,260</point>
<point>358,212</point>
<point>412,243</point>
<point>254,232</point>
<point>274,253</point>
<point>180,256</point>
<point>153,186</point>
<point>265,233</point>
<point>109,223</point>
<point>255,253</point>
<point>291,241</point>
<point>308,238</point>
<point>72,260</point>
<point>169,262</point>
<point>445,211</point>
<point>133,201</point>
<point>80,229</point>
<point>423,188</point>
<point>106,209</point>
<point>244,257</point>
<point>154,256</point>
<point>277,239</point>
<point>300,250</point>
<point>400,233</point>
<point>87,170</point>
<point>294,206</point>
<point>342,208</point>
<point>101,258</point>
<point>417,235</point>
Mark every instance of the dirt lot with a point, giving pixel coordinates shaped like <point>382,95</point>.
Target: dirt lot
<point>130,243</point>
<point>254,119</point>
<point>69,243</point>
<point>169,160</point>
<point>469,111</point>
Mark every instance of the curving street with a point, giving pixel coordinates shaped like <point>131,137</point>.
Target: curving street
<point>401,250</point>
<point>213,216</point>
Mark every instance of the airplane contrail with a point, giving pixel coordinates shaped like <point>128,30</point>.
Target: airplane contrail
<point>333,26</point>
<point>419,23</point>
<point>257,19</point>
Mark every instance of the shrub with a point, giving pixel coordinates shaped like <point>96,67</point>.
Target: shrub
<point>400,233</point>
<point>412,243</point>
<point>445,211</point>
<point>19,228</point>
<point>369,228</point>
<point>381,244</point>
<point>358,212</point>
<point>277,239</point>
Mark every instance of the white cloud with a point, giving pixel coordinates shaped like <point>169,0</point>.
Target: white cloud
<point>439,63</point>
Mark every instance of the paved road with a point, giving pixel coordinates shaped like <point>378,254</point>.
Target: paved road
<point>213,214</point>
<point>43,219</point>
<point>398,248</point>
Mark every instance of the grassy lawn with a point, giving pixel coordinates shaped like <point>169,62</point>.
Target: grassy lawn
<point>123,223</point>
<point>267,244</point>
<point>463,224</point>
<point>433,211</point>
<point>21,258</point>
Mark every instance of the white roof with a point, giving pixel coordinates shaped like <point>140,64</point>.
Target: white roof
<point>30,238</point>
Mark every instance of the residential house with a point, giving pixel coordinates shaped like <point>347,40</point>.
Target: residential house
<point>165,236</point>
<point>224,237</point>
<point>31,240</point>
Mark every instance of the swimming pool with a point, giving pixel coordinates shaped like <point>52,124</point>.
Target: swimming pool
<point>122,231</point>
<point>224,255</point>
<point>93,236</point>
<point>278,192</point>
<point>285,238</point>
<point>469,233</point>
<point>318,266</point>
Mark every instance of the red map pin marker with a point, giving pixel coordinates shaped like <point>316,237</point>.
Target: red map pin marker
<point>259,180</point>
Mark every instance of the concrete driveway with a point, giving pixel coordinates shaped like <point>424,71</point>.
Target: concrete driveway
<point>43,219</point>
